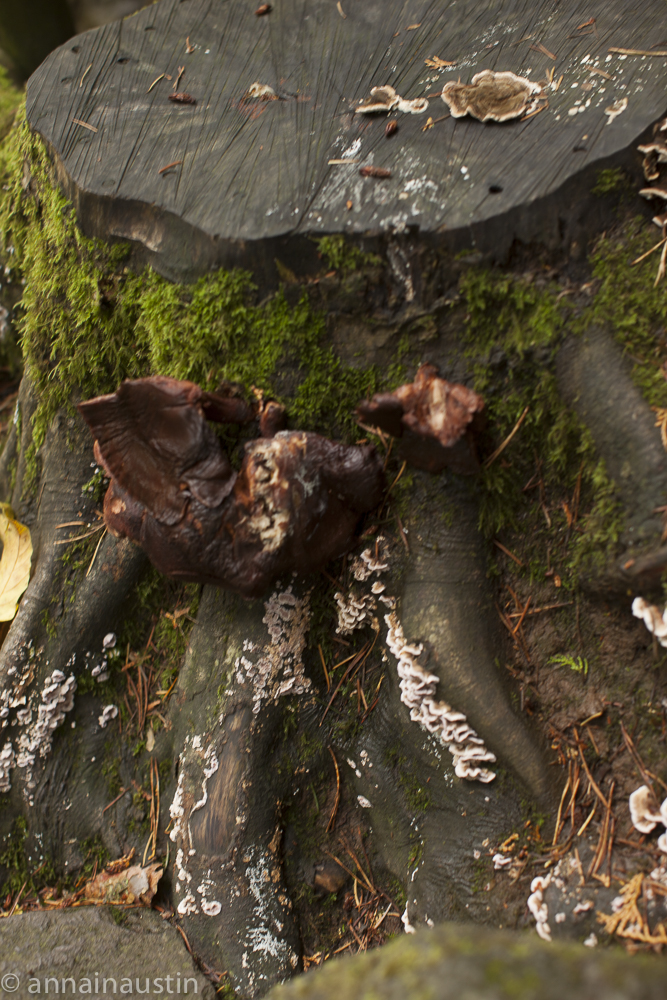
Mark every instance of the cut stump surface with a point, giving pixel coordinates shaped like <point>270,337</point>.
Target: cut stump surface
<point>235,180</point>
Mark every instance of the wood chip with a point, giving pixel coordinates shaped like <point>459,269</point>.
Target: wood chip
<point>412,27</point>
<point>263,9</point>
<point>181,98</point>
<point>378,172</point>
<point>189,48</point>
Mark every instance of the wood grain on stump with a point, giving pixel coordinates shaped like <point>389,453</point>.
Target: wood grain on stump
<point>251,179</point>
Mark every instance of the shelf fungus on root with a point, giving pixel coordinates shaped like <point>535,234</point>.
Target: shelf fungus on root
<point>655,151</point>
<point>434,419</point>
<point>294,504</point>
<point>492,97</point>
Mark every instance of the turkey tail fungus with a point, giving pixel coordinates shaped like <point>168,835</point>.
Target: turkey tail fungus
<point>294,504</point>
<point>433,418</point>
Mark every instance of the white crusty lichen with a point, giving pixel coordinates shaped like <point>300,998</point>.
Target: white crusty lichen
<point>263,936</point>
<point>276,668</point>
<point>181,811</point>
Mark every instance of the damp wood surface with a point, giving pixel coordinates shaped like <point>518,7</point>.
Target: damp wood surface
<point>250,180</point>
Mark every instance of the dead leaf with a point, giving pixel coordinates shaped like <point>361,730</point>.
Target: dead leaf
<point>134,885</point>
<point>15,562</point>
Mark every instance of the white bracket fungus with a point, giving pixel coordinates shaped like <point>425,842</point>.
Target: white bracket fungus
<point>538,907</point>
<point>386,99</point>
<point>616,109</point>
<point>109,712</point>
<point>418,687</point>
<point>57,700</point>
<point>644,818</point>
<point>653,619</point>
<point>7,762</point>
<point>492,97</point>
<point>261,92</point>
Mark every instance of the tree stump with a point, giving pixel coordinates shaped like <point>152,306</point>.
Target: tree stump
<point>252,181</point>
<point>265,750</point>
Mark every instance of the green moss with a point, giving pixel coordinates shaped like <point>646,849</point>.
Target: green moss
<point>513,330</point>
<point>417,796</point>
<point>611,181</point>
<point>343,256</point>
<point>19,870</point>
<point>503,309</point>
<point>631,306</point>
<point>10,99</point>
<point>95,857</point>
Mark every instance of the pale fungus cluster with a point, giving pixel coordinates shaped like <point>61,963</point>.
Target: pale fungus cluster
<point>109,712</point>
<point>276,669</point>
<point>418,692</point>
<point>357,608</point>
<point>655,620</point>
<point>181,813</point>
<point>538,907</point>
<point>57,700</point>
<point>7,763</point>
<point>646,816</point>
<point>386,99</point>
<point>655,158</point>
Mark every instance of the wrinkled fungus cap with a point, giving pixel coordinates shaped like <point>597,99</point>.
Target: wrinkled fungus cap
<point>294,504</point>
<point>433,418</point>
<point>496,97</point>
<point>153,438</point>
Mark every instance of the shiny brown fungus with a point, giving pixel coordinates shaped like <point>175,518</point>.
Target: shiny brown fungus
<point>272,419</point>
<point>294,504</point>
<point>432,417</point>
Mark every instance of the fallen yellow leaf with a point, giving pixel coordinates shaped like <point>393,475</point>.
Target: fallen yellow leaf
<point>15,561</point>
